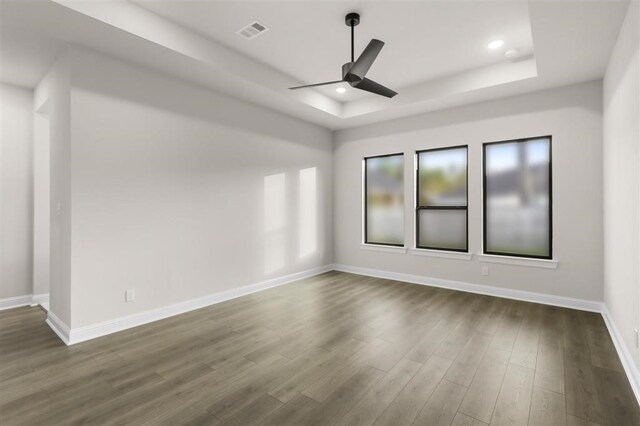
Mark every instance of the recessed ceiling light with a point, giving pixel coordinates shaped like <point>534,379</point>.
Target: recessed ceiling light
<point>495,44</point>
<point>341,90</point>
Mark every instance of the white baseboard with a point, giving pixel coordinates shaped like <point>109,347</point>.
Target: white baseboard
<point>26,300</point>
<point>14,302</point>
<point>527,296</point>
<point>623,352</point>
<point>59,327</point>
<point>81,334</point>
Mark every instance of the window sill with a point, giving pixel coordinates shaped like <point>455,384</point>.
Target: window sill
<point>508,260</point>
<point>382,248</point>
<point>441,253</point>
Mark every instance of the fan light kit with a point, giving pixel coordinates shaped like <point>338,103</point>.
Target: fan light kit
<point>354,72</point>
<point>495,44</point>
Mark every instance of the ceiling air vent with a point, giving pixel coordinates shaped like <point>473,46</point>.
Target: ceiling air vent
<point>252,30</point>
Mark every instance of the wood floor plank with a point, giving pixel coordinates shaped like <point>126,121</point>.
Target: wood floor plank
<point>577,421</point>
<point>466,363</point>
<point>253,387</point>
<point>430,342</point>
<point>490,322</point>
<point>308,374</point>
<point>507,331</point>
<point>464,420</point>
<point>399,349</point>
<point>328,384</point>
<point>581,390</point>
<point>193,419</point>
<point>406,406</point>
<point>574,330</point>
<point>552,327</point>
<point>549,372</point>
<point>374,402</point>
<point>344,398</point>
<point>442,406</point>
<point>257,410</point>
<point>480,399</point>
<point>466,322</point>
<point>514,399</point>
<point>186,415</point>
<point>547,408</point>
<point>292,412</point>
<point>525,348</point>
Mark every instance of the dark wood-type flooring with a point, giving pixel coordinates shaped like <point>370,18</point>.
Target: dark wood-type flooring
<point>332,349</point>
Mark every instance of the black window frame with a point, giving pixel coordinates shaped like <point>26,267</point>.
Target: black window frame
<point>454,208</point>
<point>365,206</point>
<point>484,199</point>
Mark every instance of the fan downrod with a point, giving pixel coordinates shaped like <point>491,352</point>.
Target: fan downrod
<point>352,19</point>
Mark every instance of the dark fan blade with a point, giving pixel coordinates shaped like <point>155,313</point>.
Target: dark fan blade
<point>364,62</point>
<point>373,87</point>
<point>314,85</point>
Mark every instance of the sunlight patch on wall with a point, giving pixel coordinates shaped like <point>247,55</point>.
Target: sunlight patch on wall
<point>308,221</point>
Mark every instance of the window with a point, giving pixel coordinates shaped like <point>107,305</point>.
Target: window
<point>441,202</point>
<point>517,198</point>
<point>384,200</point>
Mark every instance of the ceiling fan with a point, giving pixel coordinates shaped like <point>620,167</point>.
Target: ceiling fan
<point>354,72</point>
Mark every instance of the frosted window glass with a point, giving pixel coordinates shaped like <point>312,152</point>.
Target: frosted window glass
<point>517,198</point>
<point>441,217</point>
<point>443,229</point>
<point>385,200</point>
<point>443,177</point>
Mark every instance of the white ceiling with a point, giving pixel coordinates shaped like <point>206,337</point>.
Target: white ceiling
<point>25,56</point>
<point>435,54</point>
<point>310,41</point>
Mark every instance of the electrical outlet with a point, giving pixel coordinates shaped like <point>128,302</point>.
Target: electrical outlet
<point>129,295</point>
<point>485,270</point>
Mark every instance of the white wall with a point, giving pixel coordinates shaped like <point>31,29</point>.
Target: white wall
<point>622,182</point>
<point>41,200</point>
<point>16,191</point>
<point>572,115</point>
<point>54,89</point>
<point>178,192</point>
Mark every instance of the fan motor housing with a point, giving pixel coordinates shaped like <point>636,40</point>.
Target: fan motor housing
<point>352,19</point>
<point>349,78</point>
